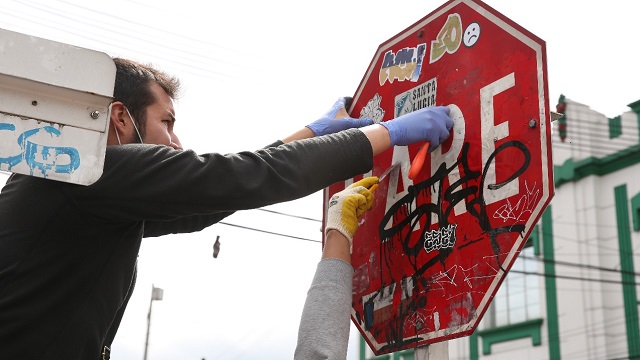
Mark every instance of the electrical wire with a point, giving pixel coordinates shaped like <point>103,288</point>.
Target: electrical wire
<point>581,266</point>
<point>131,31</point>
<point>626,134</point>
<point>95,39</point>
<point>598,149</point>
<point>595,146</point>
<point>289,215</point>
<point>578,278</point>
<point>602,149</point>
<point>555,262</point>
<point>587,129</point>
<point>598,246</point>
<point>267,232</point>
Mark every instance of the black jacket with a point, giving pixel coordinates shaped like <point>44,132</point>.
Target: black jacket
<point>68,252</point>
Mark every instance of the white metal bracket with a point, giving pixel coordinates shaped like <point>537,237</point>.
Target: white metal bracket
<point>54,108</point>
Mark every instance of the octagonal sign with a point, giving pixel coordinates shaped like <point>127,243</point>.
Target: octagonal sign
<point>432,252</point>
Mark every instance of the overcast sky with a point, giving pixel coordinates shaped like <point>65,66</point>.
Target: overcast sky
<point>255,71</point>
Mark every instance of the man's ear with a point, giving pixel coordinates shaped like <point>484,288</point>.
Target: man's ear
<point>118,113</point>
<point>117,124</point>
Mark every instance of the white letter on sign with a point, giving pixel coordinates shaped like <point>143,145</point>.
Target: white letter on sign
<point>400,156</point>
<point>492,132</point>
<point>450,157</point>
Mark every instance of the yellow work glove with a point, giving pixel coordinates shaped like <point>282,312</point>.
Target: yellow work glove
<point>346,206</point>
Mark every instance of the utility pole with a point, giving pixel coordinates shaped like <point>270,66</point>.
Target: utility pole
<point>156,294</point>
<point>437,351</point>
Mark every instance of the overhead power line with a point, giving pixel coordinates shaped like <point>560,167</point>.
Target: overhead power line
<point>293,216</point>
<point>267,232</point>
<point>582,266</point>
<point>199,65</point>
<point>578,278</point>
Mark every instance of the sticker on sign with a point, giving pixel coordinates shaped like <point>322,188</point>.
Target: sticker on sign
<point>432,252</point>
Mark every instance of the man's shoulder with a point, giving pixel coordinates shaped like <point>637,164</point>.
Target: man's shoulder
<point>140,149</point>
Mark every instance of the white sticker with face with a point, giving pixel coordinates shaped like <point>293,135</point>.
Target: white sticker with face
<point>471,34</point>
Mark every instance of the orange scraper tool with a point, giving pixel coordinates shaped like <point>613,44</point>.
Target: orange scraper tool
<point>418,161</point>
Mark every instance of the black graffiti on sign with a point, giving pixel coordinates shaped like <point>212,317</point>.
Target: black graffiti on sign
<point>469,188</point>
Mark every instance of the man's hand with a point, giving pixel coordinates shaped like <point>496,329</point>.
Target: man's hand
<point>329,124</point>
<point>346,206</point>
<point>430,124</point>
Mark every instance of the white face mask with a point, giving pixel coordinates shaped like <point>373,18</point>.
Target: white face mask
<point>134,126</point>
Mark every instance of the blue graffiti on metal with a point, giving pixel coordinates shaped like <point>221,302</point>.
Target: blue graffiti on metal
<point>48,154</point>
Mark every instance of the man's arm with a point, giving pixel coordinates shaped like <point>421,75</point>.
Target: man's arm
<point>158,183</point>
<point>430,124</point>
<point>378,136</point>
<point>334,120</point>
<point>324,326</point>
<point>183,224</point>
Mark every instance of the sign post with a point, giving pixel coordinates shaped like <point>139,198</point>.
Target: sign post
<point>432,252</point>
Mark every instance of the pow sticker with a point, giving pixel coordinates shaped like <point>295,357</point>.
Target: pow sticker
<point>406,64</point>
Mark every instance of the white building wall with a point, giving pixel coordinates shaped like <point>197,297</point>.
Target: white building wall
<point>589,299</point>
<point>613,304</point>
<point>513,350</point>
<point>577,238</point>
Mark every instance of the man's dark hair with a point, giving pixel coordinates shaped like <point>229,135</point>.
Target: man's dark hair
<point>133,89</point>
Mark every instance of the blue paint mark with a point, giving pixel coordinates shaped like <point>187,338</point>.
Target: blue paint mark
<point>49,154</point>
<point>368,314</point>
<point>10,160</point>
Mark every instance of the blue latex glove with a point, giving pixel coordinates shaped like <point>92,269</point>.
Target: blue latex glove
<point>328,124</point>
<point>430,124</point>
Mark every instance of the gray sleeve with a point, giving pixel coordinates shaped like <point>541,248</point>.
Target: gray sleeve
<point>325,323</point>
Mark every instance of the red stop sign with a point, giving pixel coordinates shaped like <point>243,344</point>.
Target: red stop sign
<point>431,254</point>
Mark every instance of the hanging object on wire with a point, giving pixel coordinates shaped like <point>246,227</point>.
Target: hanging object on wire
<point>216,247</point>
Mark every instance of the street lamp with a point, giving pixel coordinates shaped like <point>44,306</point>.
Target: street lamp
<point>156,294</point>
